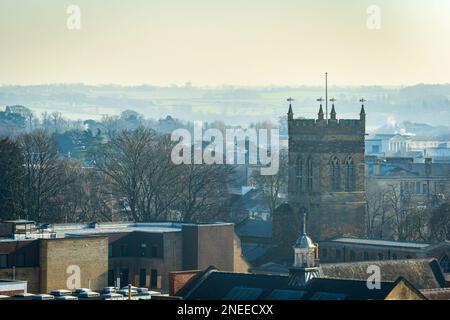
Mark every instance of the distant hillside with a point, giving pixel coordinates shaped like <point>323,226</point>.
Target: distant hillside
<point>236,105</point>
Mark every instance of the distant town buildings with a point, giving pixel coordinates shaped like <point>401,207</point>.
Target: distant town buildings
<point>408,145</point>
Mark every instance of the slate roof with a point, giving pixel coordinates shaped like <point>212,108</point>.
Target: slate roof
<point>410,170</point>
<point>346,289</point>
<point>254,228</point>
<point>374,242</point>
<point>436,294</point>
<point>422,273</point>
<point>216,285</point>
<point>255,251</point>
<point>250,201</point>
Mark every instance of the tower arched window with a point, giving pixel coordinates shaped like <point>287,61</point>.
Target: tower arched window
<point>310,173</point>
<point>350,174</point>
<point>300,174</point>
<point>335,174</point>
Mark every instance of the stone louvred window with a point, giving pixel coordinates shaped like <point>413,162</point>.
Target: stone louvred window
<point>299,170</point>
<point>310,173</point>
<point>335,174</point>
<point>349,174</point>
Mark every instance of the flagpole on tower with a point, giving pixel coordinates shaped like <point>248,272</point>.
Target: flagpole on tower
<point>326,95</point>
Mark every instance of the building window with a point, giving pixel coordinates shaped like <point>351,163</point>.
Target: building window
<point>380,256</point>
<point>352,255</point>
<point>142,277</point>
<point>445,264</point>
<point>3,260</point>
<point>154,278</point>
<point>349,175</point>
<point>335,174</point>
<point>310,173</point>
<point>154,251</point>
<point>143,249</point>
<point>366,255</point>
<point>110,250</point>
<point>124,250</point>
<point>418,188</point>
<point>300,174</point>
<point>124,277</point>
<point>324,253</point>
<point>338,254</point>
<point>394,256</point>
<point>20,260</point>
<point>111,278</point>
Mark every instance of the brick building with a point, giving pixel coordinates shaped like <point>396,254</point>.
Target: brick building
<point>113,253</point>
<point>46,261</point>
<point>422,183</point>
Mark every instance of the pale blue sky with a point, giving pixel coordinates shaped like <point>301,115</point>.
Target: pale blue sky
<point>214,42</point>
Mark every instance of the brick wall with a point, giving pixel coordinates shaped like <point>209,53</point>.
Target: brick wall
<point>208,245</point>
<point>178,279</point>
<point>90,254</point>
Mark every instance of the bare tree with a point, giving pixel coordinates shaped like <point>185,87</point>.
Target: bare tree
<point>440,223</point>
<point>272,185</point>
<point>377,214</point>
<point>125,160</point>
<point>152,188</point>
<point>203,192</point>
<point>44,176</point>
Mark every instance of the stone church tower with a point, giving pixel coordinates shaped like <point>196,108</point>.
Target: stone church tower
<point>326,173</point>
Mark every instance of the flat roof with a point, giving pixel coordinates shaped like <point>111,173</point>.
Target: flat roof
<point>104,228</point>
<point>91,229</point>
<point>19,221</point>
<point>386,243</point>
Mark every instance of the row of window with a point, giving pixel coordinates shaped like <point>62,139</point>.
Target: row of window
<point>306,170</point>
<point>143,251</point>
<point>444,261</point>
<point>411,187</point>
<point>124,277</point>
<point>352,255</point>
<point>19,261</point>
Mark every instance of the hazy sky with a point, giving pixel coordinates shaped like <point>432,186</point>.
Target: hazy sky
<point>214,42</point>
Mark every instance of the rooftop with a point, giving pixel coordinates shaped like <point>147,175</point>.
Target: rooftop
<point>388,243</point>
<point>212,284</point>
<point>91,229</point>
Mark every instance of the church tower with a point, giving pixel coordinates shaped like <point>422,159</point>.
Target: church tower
<point>327,172</point>
<point>306,260</point>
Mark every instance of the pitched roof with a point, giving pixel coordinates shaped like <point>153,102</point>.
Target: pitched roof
<point>254,228</point>
<point>436,294</point>
<point>216,285</point>
<point>375,242</point>
<point>422,274</point>
<point>346,289</point>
